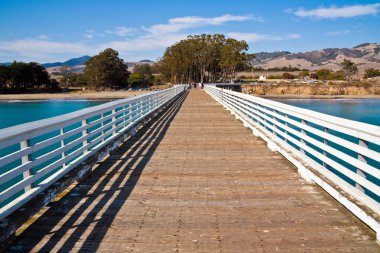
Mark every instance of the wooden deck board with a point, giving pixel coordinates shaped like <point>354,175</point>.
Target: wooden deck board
<point>196,180</point>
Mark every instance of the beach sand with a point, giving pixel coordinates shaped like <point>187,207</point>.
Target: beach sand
<point>73,95</point>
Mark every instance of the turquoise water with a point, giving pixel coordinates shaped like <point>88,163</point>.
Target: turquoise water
<point>18,112</point>
<point>364,110</point>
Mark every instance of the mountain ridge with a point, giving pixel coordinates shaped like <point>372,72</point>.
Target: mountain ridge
<point>71,62</point>
<point>366,55</point>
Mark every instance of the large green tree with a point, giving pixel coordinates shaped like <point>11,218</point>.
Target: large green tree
<point>106,70</point>
<point>203,58</point>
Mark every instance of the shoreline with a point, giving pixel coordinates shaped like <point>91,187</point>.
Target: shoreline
<point>319,96</point>
<point>72,95</point>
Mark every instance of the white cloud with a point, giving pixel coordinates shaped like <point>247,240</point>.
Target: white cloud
<point>339,12</point>
<point>121,31</point>
<point>255,37</point>
<point>42,49</point>
<point>92,33</point>
<point>163,35</point>
<point>175,25</point>
<point>143,43</point>
<point>337,33</point>
<point>43,37</point>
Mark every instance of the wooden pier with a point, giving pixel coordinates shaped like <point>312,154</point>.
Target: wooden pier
<point>195,180</point>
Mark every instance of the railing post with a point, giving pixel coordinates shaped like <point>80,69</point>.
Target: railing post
<point>84,133</point>
<point>274,123</point>
<point>61,133</point>
<point>102,119</point>
<point>304,133</point>
<point>25,159</point>
<point>114,121</point>
<point>286,124</point>
<point>130,112</point>
<point>363,159</point>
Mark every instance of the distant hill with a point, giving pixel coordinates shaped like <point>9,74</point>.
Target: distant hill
<point>366,55</point>
<point>72,62</point>
<point>5,63</point>
<point>146,61</point>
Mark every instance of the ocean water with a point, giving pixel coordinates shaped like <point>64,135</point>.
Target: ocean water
<point>14,112</point>
<point>364,110</point>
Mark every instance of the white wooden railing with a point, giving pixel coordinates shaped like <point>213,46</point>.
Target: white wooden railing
<point>345,152</point>
<point>35,155</point>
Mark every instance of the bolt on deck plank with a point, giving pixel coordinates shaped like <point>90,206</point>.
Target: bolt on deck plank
<point>196,180</point>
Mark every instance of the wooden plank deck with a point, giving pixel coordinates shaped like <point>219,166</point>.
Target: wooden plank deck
<point>196,180</point>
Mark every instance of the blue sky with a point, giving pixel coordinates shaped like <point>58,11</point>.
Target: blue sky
<point>52,30</point>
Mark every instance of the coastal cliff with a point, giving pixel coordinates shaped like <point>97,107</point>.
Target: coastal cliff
<point>310,90</point>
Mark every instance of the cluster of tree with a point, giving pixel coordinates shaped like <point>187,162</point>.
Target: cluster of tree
<point>74,79</point>
<point>326,74</point>
<point>369,73</point>
<point>288,76</point>
<point>21,76</point>
<point>107,71</point>
<point>142,75</point>
<point>288,69</point>
<point>204,58</point>
<point>348,70</point>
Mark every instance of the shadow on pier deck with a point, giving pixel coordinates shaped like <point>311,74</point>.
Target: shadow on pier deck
<point>196,180</point>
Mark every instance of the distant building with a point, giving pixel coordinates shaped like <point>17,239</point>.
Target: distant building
<point>262,78</point>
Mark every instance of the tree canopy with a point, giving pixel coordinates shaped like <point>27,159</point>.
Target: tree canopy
<point>349,68</point>
<point>106,70</point>
<point>369,73</point>
<point>204,58</point>
<point>21,76</point>
<point>142,75</point>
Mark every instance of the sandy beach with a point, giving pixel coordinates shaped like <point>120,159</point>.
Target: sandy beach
<point>73,95</point>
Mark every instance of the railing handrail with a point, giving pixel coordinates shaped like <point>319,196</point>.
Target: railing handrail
<point>14,131</point>
<point>362,127</point>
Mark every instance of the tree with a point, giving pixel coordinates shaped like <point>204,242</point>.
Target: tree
<point>349,68</point>
<point>106,70</point>
<point>5,75</point>
<point>323,74</point>
<point>66,72</point>
<point>76,80</point>
<point>304,73</point>
<point>21,76</point>
<point>369,73</point>
<point>203,58</point>
<point>232,56</point>
<point>288,76</point>
<point>145,72</point>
